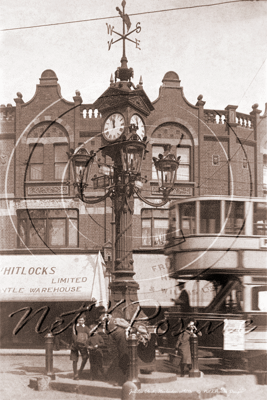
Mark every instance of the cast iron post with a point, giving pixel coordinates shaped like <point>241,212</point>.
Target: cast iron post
<point>133,368</point>
<point>123,285</point>
<point>49,344</point>
<point>130,387</point>
<point>194,372</point>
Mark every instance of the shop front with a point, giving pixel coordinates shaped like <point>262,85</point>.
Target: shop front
<point>44,292</point>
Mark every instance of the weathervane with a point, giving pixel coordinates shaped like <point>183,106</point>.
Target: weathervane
<point>121,72</point>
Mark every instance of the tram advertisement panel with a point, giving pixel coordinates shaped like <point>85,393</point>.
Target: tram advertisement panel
<point>234,335</point>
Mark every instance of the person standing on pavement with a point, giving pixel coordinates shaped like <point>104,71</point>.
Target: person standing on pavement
<point>95,342</point>
<point>117,372</point>
<point>182,347</point>
<point>80,335</point>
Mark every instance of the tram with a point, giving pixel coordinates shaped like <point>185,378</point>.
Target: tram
<point>220,243</point>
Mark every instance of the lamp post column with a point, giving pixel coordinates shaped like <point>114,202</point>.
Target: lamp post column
<point>123,285</point>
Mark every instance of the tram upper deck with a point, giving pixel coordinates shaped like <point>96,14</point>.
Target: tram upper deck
<point>220,243</point>
<point>217,235</point>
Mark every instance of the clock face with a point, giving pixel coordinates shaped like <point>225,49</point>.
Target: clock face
<point>140,125</point>
<point>114,127</point>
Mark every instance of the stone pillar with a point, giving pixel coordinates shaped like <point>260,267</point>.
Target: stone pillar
<point>200,104</point>
<point>19,102</point>
<point>231,123</point>
<point>255,122</point>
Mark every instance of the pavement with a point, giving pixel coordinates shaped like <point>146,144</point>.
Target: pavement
<point>22,370</point>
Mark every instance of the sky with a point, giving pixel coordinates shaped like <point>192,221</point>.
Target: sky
<point>218,51</point>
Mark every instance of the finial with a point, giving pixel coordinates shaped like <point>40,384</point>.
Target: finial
<point>111,79</point>
<point>200,101</point>
<point>77,92</point>
<point>19,95</point>
<point>141,81</point>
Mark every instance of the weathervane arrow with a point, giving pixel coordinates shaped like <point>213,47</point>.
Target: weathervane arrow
<point>125,18</point>
<point>124,36</point>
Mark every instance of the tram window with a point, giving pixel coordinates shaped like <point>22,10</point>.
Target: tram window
<point>235,218</point>
<point>259,298</point>
<point>187,218</point>
<point>210,216</point>
<point>260,219</point>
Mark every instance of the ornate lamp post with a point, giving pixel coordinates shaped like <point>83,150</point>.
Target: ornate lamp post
<point>127,156</point>
<point>123,107</point>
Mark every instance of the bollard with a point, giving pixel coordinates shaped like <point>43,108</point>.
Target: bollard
<point>133,367</point>
<point>194,372</point>
<point>128,391</point>
<point>49,343</point>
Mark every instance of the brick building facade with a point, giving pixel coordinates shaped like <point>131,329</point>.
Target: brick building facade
<point>222,152</point>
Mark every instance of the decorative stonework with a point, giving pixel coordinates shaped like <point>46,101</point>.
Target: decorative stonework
<point>45,203</point>
<point>177,191</point>
<point>53,131</point>
<point>170,131</point>
<point>61,125</point>
<point>47,190</point>
<point>3,159</point>
<point>181,125</point>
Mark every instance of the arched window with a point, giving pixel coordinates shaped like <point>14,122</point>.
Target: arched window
<point>50,144</point>
<point>182,146</point>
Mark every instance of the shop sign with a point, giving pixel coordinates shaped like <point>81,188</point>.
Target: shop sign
<point>47,277</point>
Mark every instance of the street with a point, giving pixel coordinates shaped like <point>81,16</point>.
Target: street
<point>17,370</point>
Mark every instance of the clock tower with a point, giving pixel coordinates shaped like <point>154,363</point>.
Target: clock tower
<point>123,104</point>
<point>124,108</point>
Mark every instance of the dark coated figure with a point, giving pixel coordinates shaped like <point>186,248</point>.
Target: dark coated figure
<point>80,335</point>
<point>95,345</point>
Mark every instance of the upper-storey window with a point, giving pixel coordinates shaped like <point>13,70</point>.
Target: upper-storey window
<point>235,211</point>
<point>187,218</point>
<point>260,219</point>
<point>210,216</point>
<point>49,158</point>
<point>48,228</point>
<point>36,164</point>
<point>154,227</point>
<point>156,150</point>
<point>183,172</point>
<point>61,160</point>
<point>174,134</point>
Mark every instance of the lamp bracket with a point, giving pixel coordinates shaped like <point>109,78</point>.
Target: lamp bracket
<point>164,201</point>
<point>94,201</point>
